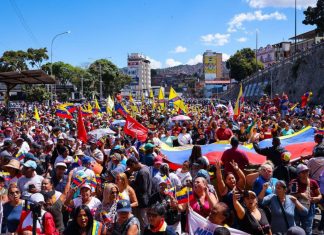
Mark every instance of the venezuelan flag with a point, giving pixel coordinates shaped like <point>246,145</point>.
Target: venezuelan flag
<point>166,179</point>
<point>63,113</point>
<point>121,110</point>
<point>86,112</point>
<point>184,195</point>
<point>78,180</point>
<point>69,107</point>
<point>20,156</point>
<point>93,182</point>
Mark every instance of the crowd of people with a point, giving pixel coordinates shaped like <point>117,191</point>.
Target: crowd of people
<point>53,183</point>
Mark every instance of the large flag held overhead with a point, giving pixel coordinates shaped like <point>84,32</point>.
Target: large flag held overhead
<point>239,103</point>
<point>135,129</point>
<point>82,133</point>
<point>69,107</point>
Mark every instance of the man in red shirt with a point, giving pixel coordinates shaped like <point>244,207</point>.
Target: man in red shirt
<point>234,154</point>
<point>223,133</point>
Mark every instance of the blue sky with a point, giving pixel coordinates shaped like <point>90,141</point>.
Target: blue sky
<point>169,32</point>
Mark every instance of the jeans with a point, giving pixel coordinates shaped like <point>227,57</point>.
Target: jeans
<point>306,222</point>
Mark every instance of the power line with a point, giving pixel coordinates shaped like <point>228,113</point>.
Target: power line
<point>23,22</point>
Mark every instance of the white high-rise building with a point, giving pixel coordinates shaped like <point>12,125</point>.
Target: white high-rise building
<point>138,67</point>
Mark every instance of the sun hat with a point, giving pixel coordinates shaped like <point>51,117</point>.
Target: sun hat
<point>13,163</point>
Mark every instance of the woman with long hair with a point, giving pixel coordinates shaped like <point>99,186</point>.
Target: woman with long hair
<point>106,212</point>
<point>221,215</point>
<point>226,187</point>
<point>251,218</point>
<point>126,192</point>
<point>84,224</point>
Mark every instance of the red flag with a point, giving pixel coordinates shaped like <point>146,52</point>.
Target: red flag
<point>135,129</point>
<point>82,133</point>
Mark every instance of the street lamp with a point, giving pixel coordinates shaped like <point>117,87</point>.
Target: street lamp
<point>57,35</point>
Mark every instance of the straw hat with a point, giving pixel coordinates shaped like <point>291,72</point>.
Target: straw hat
<point>13,163</point>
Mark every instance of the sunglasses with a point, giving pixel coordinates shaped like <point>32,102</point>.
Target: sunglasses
<point>14,192</point>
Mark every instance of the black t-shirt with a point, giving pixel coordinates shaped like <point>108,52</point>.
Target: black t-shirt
<point>250,225</point>
<point>142,186</point>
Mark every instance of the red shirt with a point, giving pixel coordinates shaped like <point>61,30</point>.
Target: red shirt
<point>313,186</point>
<point>224,134</point>
<point>238,156</point>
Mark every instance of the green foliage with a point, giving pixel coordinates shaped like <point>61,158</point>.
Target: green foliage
<point>112,79</point>
<point>36,93</point>
<point>242,64</point>
<point>62,71</point>
<point>19,60</point>
<point>315,16</point>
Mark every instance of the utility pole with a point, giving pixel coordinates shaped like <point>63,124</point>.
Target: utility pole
<point>100,83</point>
<point>82,87</point>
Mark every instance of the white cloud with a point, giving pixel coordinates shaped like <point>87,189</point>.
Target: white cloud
<point>172,62</point>
<point>225,57</point>
<point>237,21</point>
<point>197,59</point>
<point>215,39</point>
<point>281,3</point>
<point>179,49</point>
<point>155,64</point>
<point>242,39</point>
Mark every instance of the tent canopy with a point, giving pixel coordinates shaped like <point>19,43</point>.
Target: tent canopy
<point>26,77</point>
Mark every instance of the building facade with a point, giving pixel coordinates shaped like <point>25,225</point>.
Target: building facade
<point>138,67</point>
<point>212,63</point>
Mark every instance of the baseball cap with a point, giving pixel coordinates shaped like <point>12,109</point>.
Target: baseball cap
<point>285,156</point>
<point>295,230</point>
<point>301,168</point>
<point>86,186</point>
<point>116,156</point>
<point>60,164</point>
<point>158,159</point>
<point>49,142</point>
<point>30,164</point>
<point>123,206</point>
<point>36,198</point>
<point>86,160</point>
<point>149,146</point>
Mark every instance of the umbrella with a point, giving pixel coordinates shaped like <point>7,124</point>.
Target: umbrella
<point>119,122</point>
<point>99,133</point>
<point>181,118</point>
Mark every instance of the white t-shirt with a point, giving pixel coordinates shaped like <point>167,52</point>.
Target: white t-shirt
<point>183,176</point>
<point>23,183</point>
<point>93,204</point>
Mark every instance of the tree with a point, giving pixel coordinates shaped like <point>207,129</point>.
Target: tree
<point>113,80</point>
<point>19,60</point>
<point>62,71</point>
<point>242,64</point>
<point>36,93</point>
<point>315,16</point>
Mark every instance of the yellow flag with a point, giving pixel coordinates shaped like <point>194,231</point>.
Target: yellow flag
<point>36,115</point>
<point>89,107</point>
<point>161,99</point>
<point>110,105</point>
<point>238,104</point>
<point>132,104</point>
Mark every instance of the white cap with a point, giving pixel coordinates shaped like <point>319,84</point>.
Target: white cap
<point>37,197</point>
<point>60,164</point>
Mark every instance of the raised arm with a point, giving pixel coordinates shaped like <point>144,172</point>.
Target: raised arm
<point>238,207</point>
<point>241,182</point>
<point>221,187</point>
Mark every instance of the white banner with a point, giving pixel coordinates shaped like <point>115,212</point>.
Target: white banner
<point>198,225</point>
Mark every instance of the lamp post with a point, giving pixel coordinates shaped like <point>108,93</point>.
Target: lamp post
<point>295,26</point>
<point>53,39</point>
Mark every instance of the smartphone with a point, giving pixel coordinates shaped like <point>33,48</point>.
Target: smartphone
<point>293,187</point>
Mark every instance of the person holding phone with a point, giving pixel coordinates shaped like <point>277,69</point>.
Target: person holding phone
<point>308,193</point>
<point>282,207</point>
